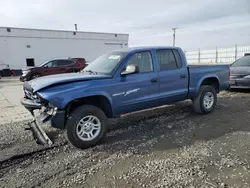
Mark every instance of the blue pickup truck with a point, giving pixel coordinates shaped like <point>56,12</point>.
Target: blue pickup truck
<point>116,83</point>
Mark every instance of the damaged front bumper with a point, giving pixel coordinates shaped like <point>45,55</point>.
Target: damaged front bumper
<point>39,134</point>
<point>46,115</point>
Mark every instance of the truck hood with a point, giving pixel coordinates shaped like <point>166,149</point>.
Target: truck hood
<point>46,81</point>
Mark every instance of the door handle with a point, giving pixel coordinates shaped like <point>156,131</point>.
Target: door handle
<point>183,76</point>
<point>154,80</point>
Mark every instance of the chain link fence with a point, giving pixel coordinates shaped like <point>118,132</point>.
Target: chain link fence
<point>217,55</point>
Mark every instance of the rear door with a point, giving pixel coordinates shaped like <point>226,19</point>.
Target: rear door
<point>137,91</point>
<point>173,76</point>
<point>64,66</point>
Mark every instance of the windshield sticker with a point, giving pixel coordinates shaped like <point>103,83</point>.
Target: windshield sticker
<point>115,57</point>
<point>125,93</point>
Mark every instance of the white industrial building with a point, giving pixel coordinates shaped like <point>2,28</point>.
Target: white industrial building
<point>17,45</point>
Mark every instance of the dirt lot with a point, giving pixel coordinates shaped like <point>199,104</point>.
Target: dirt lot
<point>165,147</point>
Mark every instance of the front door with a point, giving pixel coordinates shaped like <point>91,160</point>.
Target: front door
<point>51,67</point>
<point>173,76</point>
<point>137,91</point>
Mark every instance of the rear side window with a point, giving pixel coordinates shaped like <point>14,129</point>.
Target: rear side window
<point>166,60</point>
<point>80,60</point>
<point>64,63</point>
<point>143,60</point>
<point>177,58</point>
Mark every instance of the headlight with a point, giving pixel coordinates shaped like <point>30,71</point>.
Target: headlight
<point>25,72</point>
<point>51,111</point>
<point>37,98</point>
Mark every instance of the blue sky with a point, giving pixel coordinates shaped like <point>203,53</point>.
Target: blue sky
<point>202,24</point>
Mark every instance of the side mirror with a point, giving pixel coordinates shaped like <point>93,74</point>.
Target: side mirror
<point>130,69</point>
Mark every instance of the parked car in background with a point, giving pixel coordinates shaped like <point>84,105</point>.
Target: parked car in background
<point>56,66</point>
<point>240,73</point>
<point>117,83</point>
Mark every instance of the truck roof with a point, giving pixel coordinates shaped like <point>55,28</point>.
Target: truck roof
<point>134,49</point>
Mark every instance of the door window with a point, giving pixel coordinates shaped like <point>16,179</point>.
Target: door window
<point>143,60</point>
<point>178,58</point>
<point>166,60</point>
<point>51,64</point>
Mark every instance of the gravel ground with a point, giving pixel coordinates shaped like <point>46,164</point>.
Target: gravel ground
<point>164,147</point>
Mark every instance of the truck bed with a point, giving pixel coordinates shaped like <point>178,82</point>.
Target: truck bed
<point>198,73</point>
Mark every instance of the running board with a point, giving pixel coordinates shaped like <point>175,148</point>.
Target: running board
<point>38,133</point>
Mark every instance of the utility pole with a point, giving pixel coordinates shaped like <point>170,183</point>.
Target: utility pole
<point>236,52</point>
<point>174,29</point>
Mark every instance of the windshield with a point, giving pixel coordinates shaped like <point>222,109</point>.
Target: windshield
<point>106,64</point>
<point>242,62</point>
<point>41,65</point>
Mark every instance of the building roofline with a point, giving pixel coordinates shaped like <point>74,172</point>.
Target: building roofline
<point>53,30</point>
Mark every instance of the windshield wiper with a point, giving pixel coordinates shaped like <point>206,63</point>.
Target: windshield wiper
<point>90,71</point>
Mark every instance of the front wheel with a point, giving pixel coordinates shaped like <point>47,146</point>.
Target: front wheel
<point>206,100</point>
<point>35,75</point>
<point>86,126</point>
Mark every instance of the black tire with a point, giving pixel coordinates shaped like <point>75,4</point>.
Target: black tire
<point>34,76</point>
<point>76,116</point>
<point>198,104</point>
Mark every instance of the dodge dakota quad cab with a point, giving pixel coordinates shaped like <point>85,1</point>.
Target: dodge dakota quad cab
<point>117,83</point>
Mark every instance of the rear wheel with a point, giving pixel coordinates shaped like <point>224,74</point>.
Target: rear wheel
<point>206,100</point>
<point>86,126</point>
